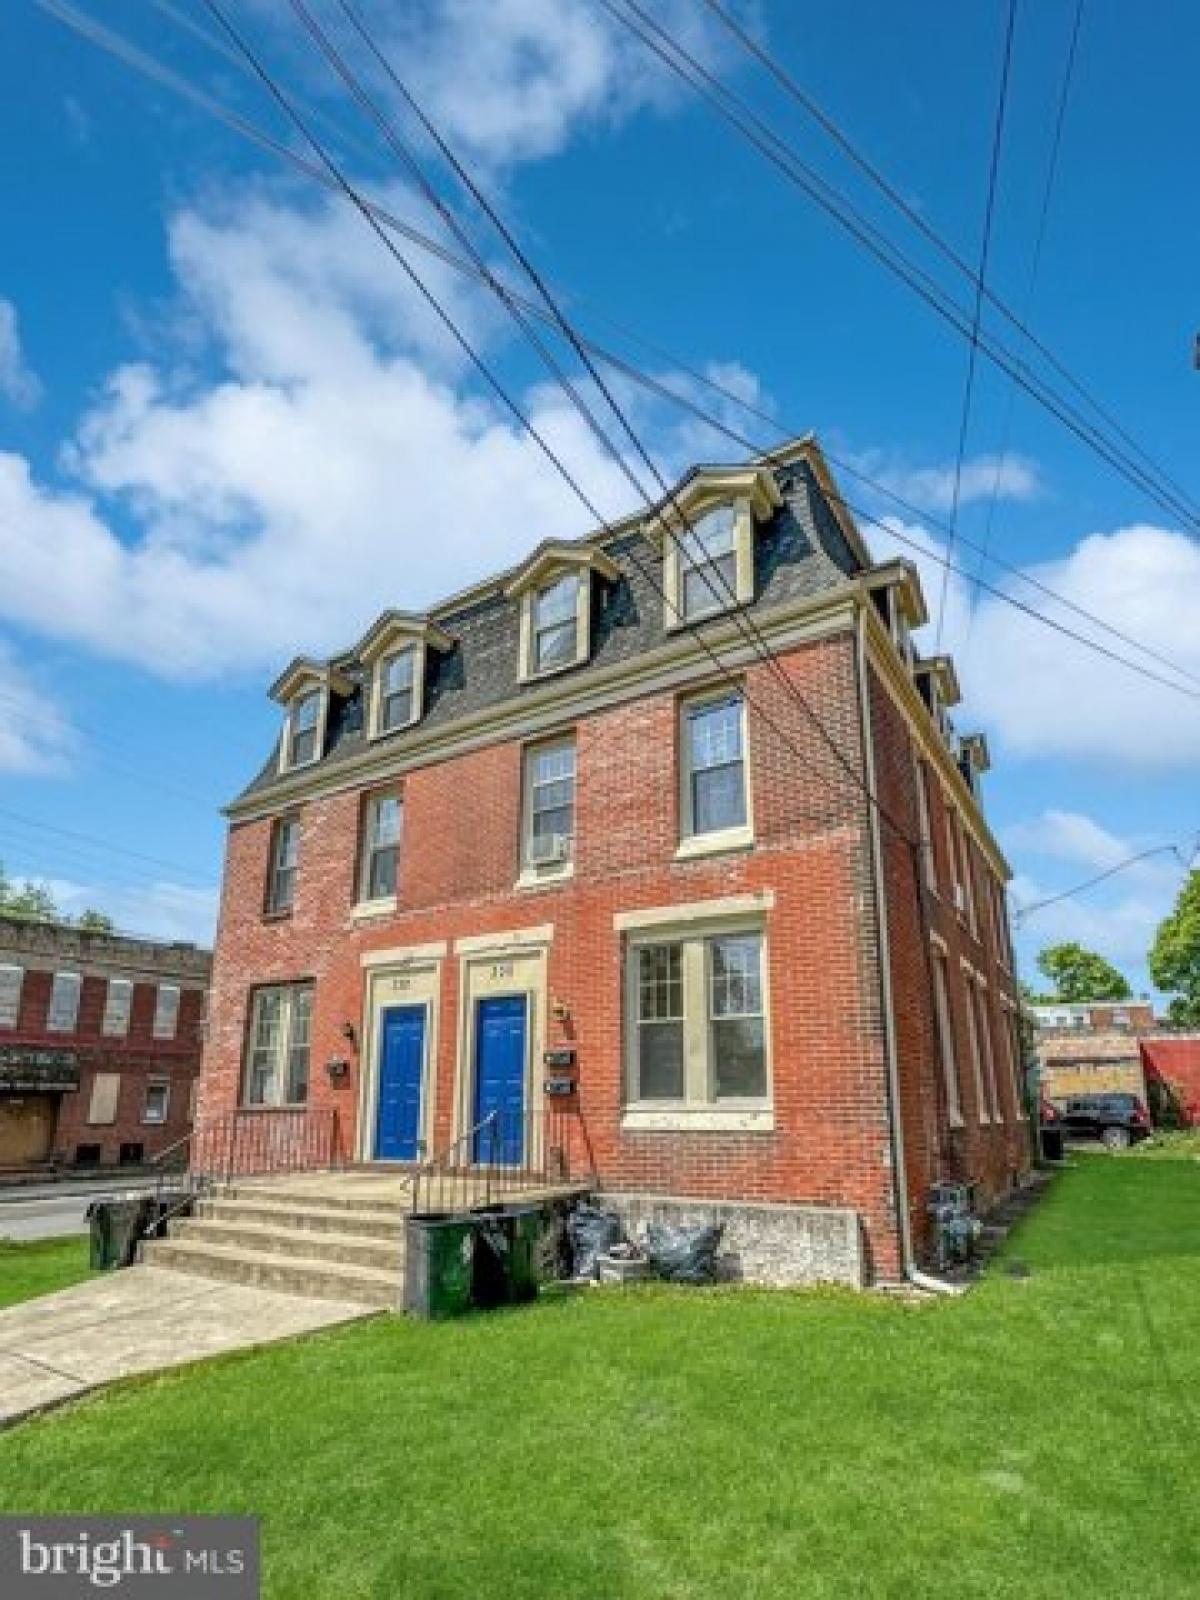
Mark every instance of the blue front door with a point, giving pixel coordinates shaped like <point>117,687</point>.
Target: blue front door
<point>500,1026</point>
<point>401,1068</point>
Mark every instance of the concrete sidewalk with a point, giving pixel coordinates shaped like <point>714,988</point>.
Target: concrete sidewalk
<point>142,1319</point>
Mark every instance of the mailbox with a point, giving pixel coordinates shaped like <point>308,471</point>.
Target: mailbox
<point>558,1059</point>
<point>558,1085</point>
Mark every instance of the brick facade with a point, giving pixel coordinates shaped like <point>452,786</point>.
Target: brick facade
<point>38,1126</point>
<point>828,1138</point>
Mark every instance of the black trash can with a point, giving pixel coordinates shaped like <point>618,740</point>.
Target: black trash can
<point>491,1262</point>
<point>1052,1143</point>
<point>439,1265</point>
<point>525,1255</point>
<point>116,1227</point>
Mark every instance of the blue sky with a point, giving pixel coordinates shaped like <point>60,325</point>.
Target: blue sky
<point>228,430</point>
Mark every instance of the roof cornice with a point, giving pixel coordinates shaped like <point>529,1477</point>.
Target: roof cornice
<point>560,555</point>
<point>403,627</point>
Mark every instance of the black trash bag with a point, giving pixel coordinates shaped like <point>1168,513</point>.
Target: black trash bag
<point>682,1255</point>
<point>591,1232</point>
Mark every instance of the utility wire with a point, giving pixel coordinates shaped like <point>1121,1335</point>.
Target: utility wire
<point>1020,322</point>
<point>1021,914</point>
<point>103,844</point>
<point>116,46</point>
<point>734,110</point>
<point>1031,289</point>
<point>977,309</point>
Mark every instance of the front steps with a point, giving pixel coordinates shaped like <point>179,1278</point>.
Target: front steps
<point>324,1244</point>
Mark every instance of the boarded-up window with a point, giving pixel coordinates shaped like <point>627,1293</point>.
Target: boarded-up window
<point>117,1004</point>
<point>166,1011</point>
<point>64,1003</point>
<point>102,1110</point>
<point>11,979</point>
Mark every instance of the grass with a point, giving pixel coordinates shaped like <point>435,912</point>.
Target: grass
<point>1035,1438</point>
<point>1179,1144</point>
<point>41,1266</point>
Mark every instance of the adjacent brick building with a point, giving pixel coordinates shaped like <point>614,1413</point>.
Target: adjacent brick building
<point>540,832</point>
<point>1092,1047</point>
<point>99,1045</point>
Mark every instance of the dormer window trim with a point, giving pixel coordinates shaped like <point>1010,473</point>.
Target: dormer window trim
<point>552,567</point>
<point>299,685</point>
<point>721,556</point>
<point>391,637</point>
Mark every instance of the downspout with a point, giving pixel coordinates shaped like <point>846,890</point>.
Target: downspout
<point>908,1266</point>
<point>895,1127</point>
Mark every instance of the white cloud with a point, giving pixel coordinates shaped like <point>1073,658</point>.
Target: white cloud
<point>1120,927</point>
<point>1038,692</point>
<point>163,910</point>
<point>1011,477</point>
<point>36,739</point>
<point>18,382</point>
<point>1072,836</point>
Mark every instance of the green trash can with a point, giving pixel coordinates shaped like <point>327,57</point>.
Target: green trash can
<point>439,1265</point>
<point>116,1227</point>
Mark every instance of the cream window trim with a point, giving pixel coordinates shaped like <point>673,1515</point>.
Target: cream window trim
<point>945,1027</point>
<point>286,761</point>
<point>528,670</point>
<point>982,1101</point>
<point>536,874</point>
<point>697,914</point>
<point>925,825</point>
<point>987,1043</point>
<point>505,942</point>
<point>699,1098</point>
<point>401,955</point>
<point>674,617</point>
<point>375,729</point>
<point>372,910</point>
<point>716,840</point>
<point>697,1119</point>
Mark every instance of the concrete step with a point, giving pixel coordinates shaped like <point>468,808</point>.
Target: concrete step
<point>386,1254</point>
<point>318,1280</point>
<point>300,1217</point>
<point>348,1193</point>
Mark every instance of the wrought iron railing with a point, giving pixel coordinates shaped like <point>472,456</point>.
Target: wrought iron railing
<point>505,1154</point>
<point>245,1143</point>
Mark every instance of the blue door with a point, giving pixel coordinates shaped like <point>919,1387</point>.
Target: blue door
<point>401,1068</point>
<point>500,1079</point>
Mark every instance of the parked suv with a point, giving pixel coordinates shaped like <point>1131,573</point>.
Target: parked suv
<point>1117,1120</point>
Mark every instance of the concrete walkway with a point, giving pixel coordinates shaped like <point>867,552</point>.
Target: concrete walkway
<point>142,1319</point>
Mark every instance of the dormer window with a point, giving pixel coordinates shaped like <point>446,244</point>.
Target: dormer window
<point>707,532</point>
<point>305,725</point>
<point>397,680</point>
<point>555,588</point>
<point>707,555</point>
<point>556,624</point>
<point>395,653</point>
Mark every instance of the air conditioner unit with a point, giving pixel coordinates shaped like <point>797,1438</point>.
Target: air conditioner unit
<point>549,848</point>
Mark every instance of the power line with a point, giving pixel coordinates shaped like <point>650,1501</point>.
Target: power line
<point>113,44</point>
<point>1019,322</point>
<point>977,308</point>
<point>741,116</point>
<point>1034,269</point>
<point>105,845</point>
<point>1021,914</point>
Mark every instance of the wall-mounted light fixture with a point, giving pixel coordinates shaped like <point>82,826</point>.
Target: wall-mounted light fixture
<point>350,1036</point>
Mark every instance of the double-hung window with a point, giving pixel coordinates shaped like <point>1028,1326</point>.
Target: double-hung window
<point>397,689</point>
<point>285,856</point>
<point>698,1020</point>
<point>945,1040</point>
<point>118,1003</point>
<point>278,1046</point>
<point>555,631</point>
<point>304,725</point>
<point>166,1011</point>
<point>379,873</point>
<point>714,766</point>
<point>64,1003</point>
<point>157,1101</point>
<point>12,981</point>
<point>549,829</point>
<point>708,563</point>
<point>928,863</point>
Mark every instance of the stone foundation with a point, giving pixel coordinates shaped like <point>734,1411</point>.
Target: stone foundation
<point>778,1246</point>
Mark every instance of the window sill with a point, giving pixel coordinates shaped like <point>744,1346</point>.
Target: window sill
<point>284,914</point>
<point>698,1119</point>
<point>370,910</point>
<point>985,1121</point>
<point>715,844</point>
<point>954,1119</point>
<point>552,672</point>
<point>534,878</point>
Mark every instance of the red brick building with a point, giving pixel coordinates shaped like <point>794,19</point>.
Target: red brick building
<point>540,831</point>
<point>99,1045</point>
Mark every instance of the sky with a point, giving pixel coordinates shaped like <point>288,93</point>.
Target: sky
<point>231,430</point>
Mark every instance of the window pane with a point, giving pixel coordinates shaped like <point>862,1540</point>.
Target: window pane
<point>297,1077</point>
<point>397,683</point>
<point>64,1002</point>
<point>264,1049</point>
<point>156,1103</point>
<point>556,602</point>
<point>660,983</point>
<point>398,672</point>
<point>556,646</point>
<point>117,1004</point>
<point>739,1058</point>
<point>381,884</point>
<point>718,800</point>
<point>660,1061</point>
<point>283,876</point>
<point>385,821</point>
<point>551,796</point>
<point>166,1011</point>
<point>709,586</point>
<point>718,789</point>
<point>736,976</point>
<point>305,716</point>
<point>709,536</point>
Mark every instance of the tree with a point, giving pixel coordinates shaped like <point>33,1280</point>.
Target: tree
<point>1080,975</point>
<point>1175,955</point>
<point>95,922</point>
<point>28,901</point>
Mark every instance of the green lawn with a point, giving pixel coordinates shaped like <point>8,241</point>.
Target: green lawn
<point>41,1266</point>
<point>1036,1438</point>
